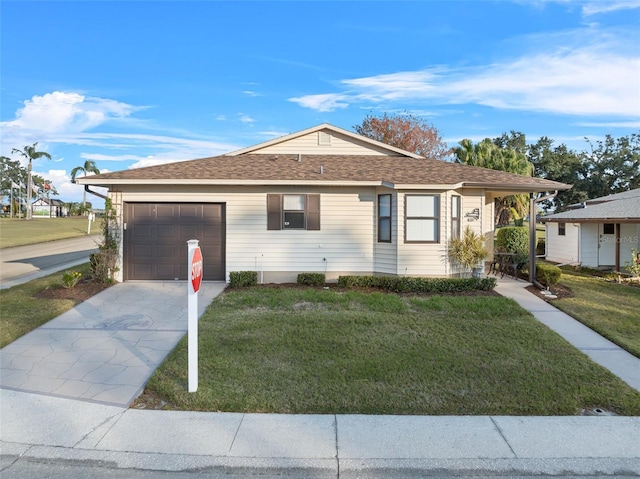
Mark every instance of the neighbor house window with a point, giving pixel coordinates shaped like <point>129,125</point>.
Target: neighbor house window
<point>562,229</point>
<point>455,216</point>
<point>300,212</point>
<point>422,219</point>
<point>384,218</point>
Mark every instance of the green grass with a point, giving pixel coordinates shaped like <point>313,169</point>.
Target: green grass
<point>20,311</point>
<point>18,232</point>
<point>611,309</point>
<point>297,350</point>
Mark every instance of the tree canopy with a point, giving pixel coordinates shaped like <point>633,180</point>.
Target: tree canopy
<point>407,132</point>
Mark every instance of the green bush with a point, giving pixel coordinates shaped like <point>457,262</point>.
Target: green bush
<point>514,239</point>
<point>547,274</point>
<point>238,279</point>
<point>541,247</point>
<point>311,279</point>
<point>418,285</point>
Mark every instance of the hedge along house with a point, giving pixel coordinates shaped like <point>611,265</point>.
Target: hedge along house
<point>599,233</point>
<point>321,200</point>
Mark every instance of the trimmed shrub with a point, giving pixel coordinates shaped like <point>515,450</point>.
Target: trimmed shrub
<point>239,279</point>
<point>514,239</point>
<point>547,274</point>
<point>418,285</point>
<point>311,279</point>
<point>541,247</point>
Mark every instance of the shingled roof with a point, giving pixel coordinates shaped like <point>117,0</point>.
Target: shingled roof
<point>290,169</point>
<point>618,208</point>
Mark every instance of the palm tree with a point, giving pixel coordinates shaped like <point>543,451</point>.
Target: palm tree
<point>487,154</point>
<point>88,167</point>
<point>30,154</point>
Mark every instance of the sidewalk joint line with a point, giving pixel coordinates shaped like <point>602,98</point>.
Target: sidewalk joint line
<point>503,437</point>
<point>337,456</point>
<point>236,434</point>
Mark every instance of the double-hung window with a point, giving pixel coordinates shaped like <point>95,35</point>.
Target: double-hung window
<point>455,216</point>
<point>293,211</point>
<point>384,218</point>
<point>422,219</point>
<point>562,229</point>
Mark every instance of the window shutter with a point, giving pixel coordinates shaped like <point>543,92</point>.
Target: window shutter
<point>274,212</point>
<point>313,212</point>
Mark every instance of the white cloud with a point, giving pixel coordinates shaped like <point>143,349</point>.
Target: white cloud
<point>324,102</point>
<point>599,6</point>
<point>245,118</point>
<point>67,111</point>
<point>584,72</point>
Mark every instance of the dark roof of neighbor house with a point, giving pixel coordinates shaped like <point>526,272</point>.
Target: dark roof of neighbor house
<point>292,169</point>
<point>623,210</point>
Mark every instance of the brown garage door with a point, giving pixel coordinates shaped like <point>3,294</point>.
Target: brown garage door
<point>156,235</point>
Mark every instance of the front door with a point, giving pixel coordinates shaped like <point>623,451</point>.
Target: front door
<point>606,244</point>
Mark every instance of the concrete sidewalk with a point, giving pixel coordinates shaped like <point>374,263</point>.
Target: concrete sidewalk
<point>602,351</point>
<point>52,407</point>
<point>44,427</point>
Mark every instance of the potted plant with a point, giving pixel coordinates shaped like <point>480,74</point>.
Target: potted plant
<point>469,251</point>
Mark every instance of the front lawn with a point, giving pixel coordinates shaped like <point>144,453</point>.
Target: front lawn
<point>305,350</point>
<point>611,309</point>
<point>22,309</point>
<point>19,232</point>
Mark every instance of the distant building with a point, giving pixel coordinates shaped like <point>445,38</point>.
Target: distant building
<point>48,208</point>
<point>600,233</point>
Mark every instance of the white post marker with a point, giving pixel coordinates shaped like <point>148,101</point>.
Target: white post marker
<point>195,279</point>
<point>92,217</point>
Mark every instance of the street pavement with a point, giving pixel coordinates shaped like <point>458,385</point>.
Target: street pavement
<point>25,263</point>
<point>50,410</point>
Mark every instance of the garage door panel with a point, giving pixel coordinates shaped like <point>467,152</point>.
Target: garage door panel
<point>155,242</point>
<point>166,230</point>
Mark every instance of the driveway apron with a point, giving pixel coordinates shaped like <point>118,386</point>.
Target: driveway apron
<point>105,349</point>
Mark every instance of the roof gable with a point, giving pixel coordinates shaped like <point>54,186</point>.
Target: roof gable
<point>324,139</point>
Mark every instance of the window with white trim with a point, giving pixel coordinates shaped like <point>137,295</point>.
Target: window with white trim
<point>456,208</point>
<point>384,218</point>
<point>422,219</point>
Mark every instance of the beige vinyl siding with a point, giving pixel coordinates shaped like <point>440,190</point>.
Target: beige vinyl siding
<point>422,259</point>
<point>309,145</point>
<point>563,249</point>
<point>386,254</point>
<point>345,238</point>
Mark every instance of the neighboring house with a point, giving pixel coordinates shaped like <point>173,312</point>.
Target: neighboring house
<point>321,200</point>
<point>599,233</point>
<point>48,208</point>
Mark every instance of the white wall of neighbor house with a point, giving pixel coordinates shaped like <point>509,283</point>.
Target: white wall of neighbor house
<point>589,245</point>
<point>629,240</point>
<point>563,249</point>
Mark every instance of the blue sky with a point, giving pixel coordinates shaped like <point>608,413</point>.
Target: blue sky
<point>139,83</point>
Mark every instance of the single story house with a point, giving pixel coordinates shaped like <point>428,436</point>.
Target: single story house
<point>48,208</point>
<point>599,233</point>
<point>320,200</point>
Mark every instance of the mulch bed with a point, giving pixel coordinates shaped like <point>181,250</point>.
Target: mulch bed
<point>557,289</point>
<point>79,293</point>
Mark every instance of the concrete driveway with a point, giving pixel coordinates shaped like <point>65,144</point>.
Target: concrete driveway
<point>106,348</point>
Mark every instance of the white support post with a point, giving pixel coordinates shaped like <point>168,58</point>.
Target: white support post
<point>193,286</point>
